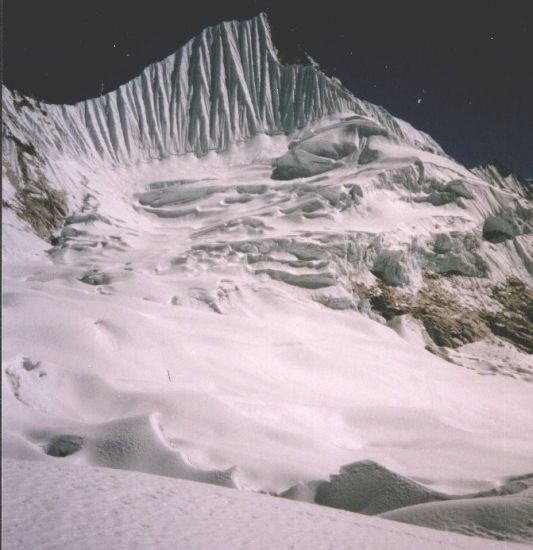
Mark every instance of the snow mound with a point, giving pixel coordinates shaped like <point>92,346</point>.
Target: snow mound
<point>365,487</point>
<point>323,149</point>
<point>53,505</point>
<point>231,270</point>
<point>369,488</point>
<point>506,518</point>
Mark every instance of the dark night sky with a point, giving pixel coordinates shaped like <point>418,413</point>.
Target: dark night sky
<point>465,77</point>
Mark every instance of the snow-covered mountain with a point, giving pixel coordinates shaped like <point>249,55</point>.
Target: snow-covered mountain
<point>232,270</point>
<point>223,87</point>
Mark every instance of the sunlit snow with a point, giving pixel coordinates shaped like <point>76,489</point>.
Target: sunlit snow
<point>198,315</point>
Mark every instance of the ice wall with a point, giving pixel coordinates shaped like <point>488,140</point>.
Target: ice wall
<point>224,86</point>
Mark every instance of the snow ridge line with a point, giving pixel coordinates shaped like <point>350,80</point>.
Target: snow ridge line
<point>224,86</point>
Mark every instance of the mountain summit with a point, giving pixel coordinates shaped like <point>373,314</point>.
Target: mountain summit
<point>231,270</point>
<point>223,87</point>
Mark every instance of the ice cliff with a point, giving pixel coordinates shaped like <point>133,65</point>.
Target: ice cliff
<point>233,271</point>
<point>224,86</point>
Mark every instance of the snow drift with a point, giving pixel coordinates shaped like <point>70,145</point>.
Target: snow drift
<point>231,270</point>
<point>101,508</point>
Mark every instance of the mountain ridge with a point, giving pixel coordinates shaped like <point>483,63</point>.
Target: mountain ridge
<point>235,89</point>
<point>233,271</point>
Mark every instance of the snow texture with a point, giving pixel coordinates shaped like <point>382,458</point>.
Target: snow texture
<point>500,518</point>
<point>232,271</point>
<point>53,506</point>
<point>224,86</point>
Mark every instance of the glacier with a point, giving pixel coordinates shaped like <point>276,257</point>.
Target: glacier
<point>231,270</point>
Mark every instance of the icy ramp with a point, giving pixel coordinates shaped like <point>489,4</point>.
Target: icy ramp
<point>61,506</point>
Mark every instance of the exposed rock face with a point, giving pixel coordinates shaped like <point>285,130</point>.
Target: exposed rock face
<point>270,307</point>
<point>35,201</point>
<point>450,323</point>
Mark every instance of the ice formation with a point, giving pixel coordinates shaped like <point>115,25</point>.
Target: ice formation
<point>232,270</point>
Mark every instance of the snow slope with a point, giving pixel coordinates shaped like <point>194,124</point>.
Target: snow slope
<point>506,517</point>
<point>293,283</point>
<point>57,506</point>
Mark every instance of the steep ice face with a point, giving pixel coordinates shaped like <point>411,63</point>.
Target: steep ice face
<point>245,272</point>
<point>401,207</point>
<point>500,176</point>
<point>223,87</point>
